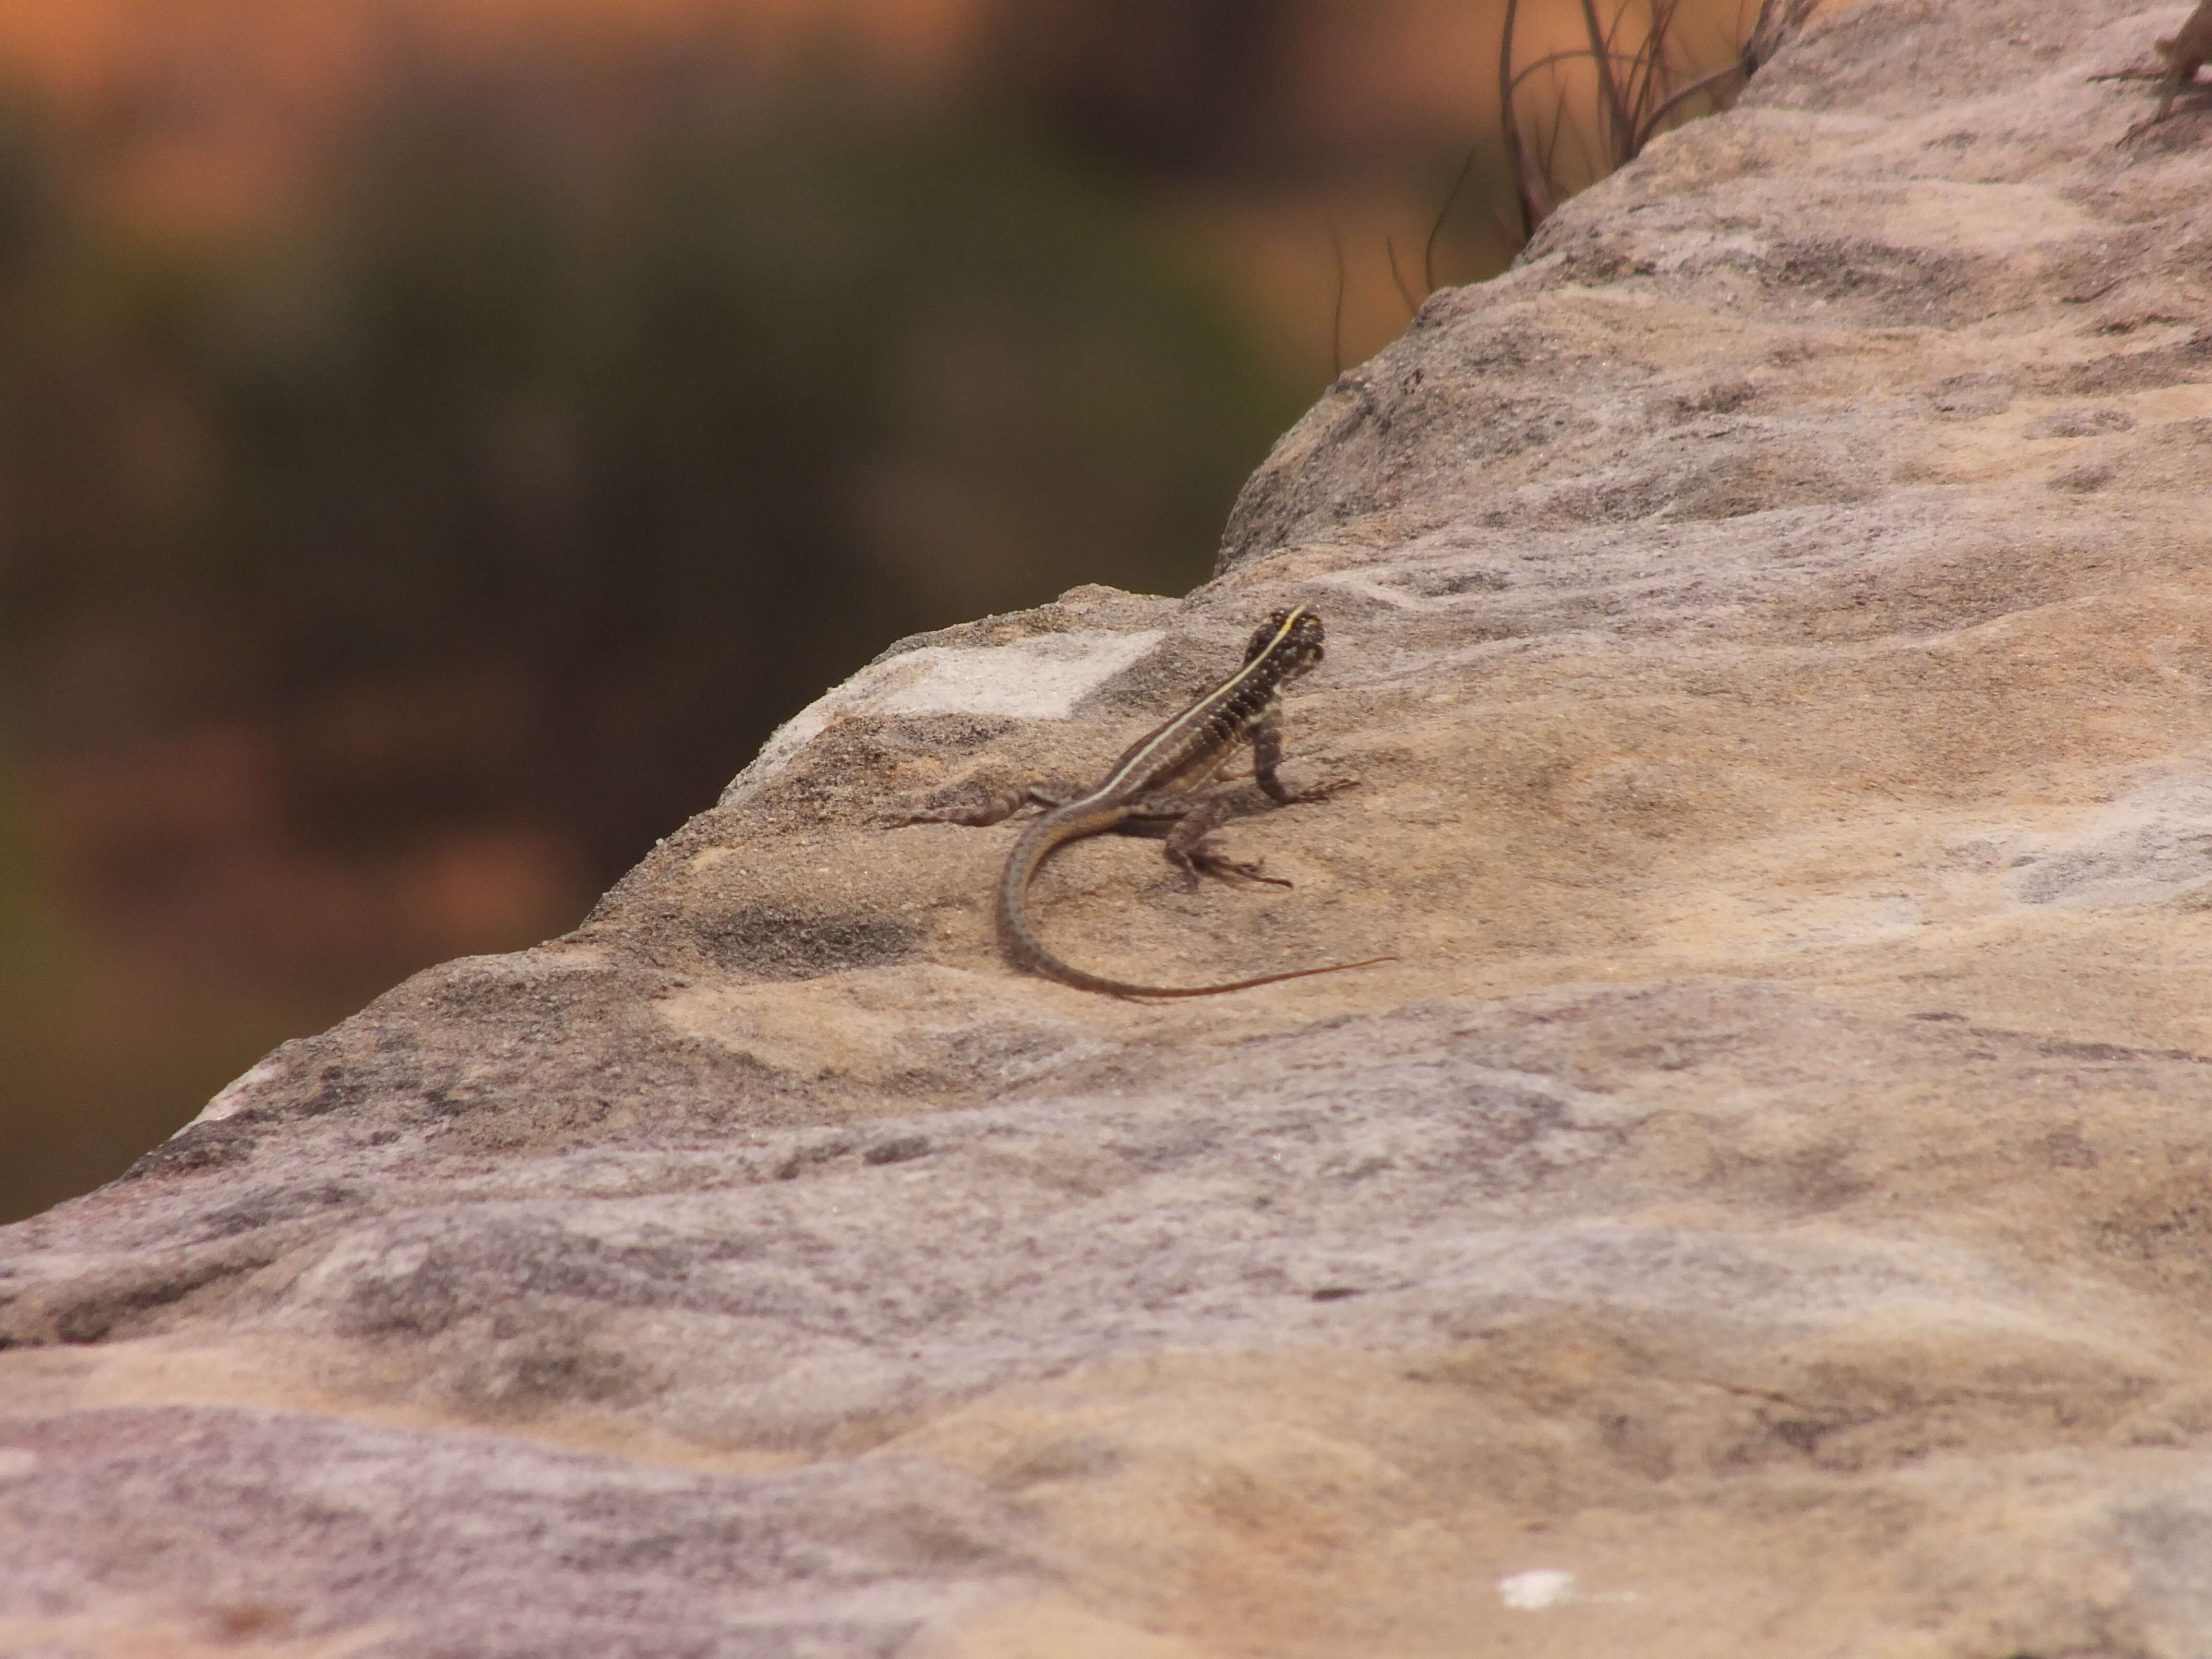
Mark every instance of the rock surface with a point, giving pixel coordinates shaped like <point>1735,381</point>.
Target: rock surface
<point>1763,1210</point>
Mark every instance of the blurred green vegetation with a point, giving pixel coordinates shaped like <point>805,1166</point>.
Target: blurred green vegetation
<point>518,486</point>
<point>379,580</point>
<point>659,436</point>
<point>32,966</point>
<point>82,1091</point>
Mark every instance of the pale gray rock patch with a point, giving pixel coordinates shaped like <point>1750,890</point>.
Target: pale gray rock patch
<point>1040,679</point>
<point>2152,845</point>
<point>551,1552</point>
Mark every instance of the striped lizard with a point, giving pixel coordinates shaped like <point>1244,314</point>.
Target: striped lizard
<point>1151,791</point>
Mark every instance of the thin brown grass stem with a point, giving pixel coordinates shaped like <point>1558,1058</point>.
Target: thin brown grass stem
<point>1530,184</point>
<point>1703,82</point>
<point>1612,108</point>
<point>1336,312</point>
<point>1390,251</point>
<point>1437,230</point>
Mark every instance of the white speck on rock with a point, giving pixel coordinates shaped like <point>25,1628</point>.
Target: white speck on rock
<point>1533,1591</point>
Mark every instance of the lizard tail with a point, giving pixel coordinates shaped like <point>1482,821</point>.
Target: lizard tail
<point>1021,942</point>
<point>1043,962</point>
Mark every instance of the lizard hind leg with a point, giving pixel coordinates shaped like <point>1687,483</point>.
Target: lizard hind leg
<point>1186,848</point>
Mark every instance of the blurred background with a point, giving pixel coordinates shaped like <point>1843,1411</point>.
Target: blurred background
<point>440,439</point>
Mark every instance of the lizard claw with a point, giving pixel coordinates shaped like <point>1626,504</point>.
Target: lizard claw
<point>1214,864</point>
<point>1330,786</point>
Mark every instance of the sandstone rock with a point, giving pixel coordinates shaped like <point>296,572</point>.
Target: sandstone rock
<point>1763,1210</point>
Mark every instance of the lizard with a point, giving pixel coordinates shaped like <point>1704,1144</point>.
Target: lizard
<point>1150,791</point>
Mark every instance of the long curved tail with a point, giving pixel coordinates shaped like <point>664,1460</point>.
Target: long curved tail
<point>1019,941</point>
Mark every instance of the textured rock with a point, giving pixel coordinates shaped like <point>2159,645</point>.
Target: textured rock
<point>1764,1209</point>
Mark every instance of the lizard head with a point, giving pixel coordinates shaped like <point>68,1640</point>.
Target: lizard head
<point>1291,638</point>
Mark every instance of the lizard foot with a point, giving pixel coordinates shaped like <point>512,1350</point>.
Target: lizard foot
<point>1323,790</point>
<point>1206,863</point>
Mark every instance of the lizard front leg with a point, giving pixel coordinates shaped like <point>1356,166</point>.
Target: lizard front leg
<point>1183,823</point>
<point>1267,755</point>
